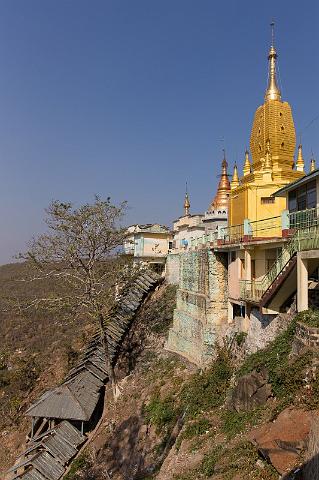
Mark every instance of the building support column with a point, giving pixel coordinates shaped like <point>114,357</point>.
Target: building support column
<point>302,284</point>
<point>230,312</point>
<point>247,265</point>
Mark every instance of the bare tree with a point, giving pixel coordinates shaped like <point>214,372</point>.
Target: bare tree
<point>81,252</point>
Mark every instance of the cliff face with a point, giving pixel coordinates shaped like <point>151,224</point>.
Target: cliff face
<point>242,417</point>
<point>234,420</point>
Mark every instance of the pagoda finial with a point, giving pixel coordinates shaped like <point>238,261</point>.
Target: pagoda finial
<point>300,164</point>
<point>272,92</point>
<point>221,198</point>
<point>186,203</point>
<point>235,179</point>
<point>247,166</point>
<point>312,163</point>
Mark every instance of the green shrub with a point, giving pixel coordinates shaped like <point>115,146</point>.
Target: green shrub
<point>310,317</point>
<point>286,374</point>
<point>77,465</point>
<point>276,353</point>
<point>207,389</point>
<point>193,429</point>
<point>240,338</point>
<point>234,422</point>
<point>209,461</point>
<point>199,427</point>
<point>161,413</point>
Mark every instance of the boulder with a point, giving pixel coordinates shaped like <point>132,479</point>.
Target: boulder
<point>250,391</point>
<point>281,442</point>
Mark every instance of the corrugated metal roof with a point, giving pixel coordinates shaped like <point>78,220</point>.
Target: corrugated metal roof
<point>48,466</point>
<point>59,447</point>
<point>32,474</point>
<point>74,400</point>
<point>70,433</point>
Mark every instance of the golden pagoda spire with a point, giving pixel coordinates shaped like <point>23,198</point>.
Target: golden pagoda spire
<point>300,164</point>
<point>186,203</point>
<point>272,92</point>
<point>221,198</point>
<point>312,164</point>
<point>235,179</point>
<point>247,166</point>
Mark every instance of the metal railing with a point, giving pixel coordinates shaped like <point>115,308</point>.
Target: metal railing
<point>304,218</point>
<point>303,239</point>
<point>268,227</point>
<point>233,234</point>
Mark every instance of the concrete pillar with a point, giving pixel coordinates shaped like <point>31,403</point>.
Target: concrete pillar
<point>247,265</point>
<point>302,284</point>
<point>230,312</point>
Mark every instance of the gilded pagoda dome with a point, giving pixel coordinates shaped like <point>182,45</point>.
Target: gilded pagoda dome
<point>221,199</point>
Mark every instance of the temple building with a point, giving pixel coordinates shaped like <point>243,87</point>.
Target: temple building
<point>189,227</point>
<point>272,145</point>
<point>248,275</point>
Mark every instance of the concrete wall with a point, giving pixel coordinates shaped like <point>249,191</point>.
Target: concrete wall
<point>234,272</point>
<point>172,268</point>
<point>201,306</point>
<point>155,245</point>
<point>265,328</point>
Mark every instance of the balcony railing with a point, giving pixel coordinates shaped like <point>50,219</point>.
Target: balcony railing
<point>233,234</point>
<point>268,227</point>
<point>304,218</point>
<point>272,227</point>
<point>303,239</point>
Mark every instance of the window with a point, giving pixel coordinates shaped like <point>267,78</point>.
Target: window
<point>267,200</point>
<point>282,145</point>
<point>292,201</point>
<point>282,128</point>
<point>303,197</point>
<point>280,114</point>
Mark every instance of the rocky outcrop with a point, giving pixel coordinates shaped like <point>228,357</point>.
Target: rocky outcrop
<point>250,391</point>
<point>282,442</point>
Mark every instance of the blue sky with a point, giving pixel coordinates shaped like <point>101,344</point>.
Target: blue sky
<point>132,98</point>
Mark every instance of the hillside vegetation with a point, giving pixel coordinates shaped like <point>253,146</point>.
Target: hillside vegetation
<point>37,349</point>
<point>172,421</point>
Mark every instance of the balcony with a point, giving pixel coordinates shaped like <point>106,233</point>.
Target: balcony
<point>282,226</point>
<point>304,238</point>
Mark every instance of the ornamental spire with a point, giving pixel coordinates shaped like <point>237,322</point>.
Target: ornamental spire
<point>235,179</point>
<point>312,164</point>
<point>186,203</point>
<point>247,166</point>
<point>300,164</point>
<point>221,199</point>
<point>272,92</point>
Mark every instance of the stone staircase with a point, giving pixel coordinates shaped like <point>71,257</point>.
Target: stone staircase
<point>278,282</point>
<point>49,451</point>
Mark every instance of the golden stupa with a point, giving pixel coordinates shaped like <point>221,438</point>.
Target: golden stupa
<point>272,145</point>
<point>221,199</point>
